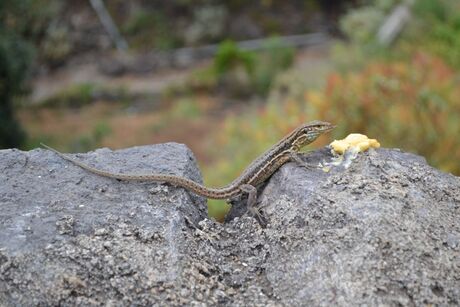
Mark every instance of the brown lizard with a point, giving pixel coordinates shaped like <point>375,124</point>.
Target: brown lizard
<point>287,149</point>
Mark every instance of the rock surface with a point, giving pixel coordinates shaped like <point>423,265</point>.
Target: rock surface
<point>385,231</point>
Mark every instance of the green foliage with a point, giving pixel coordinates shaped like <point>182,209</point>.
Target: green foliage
<point>271,62</point>
<point>28,18</point>
<point>74,96</point>
<point>386,5</point>
<point>93,140</point>
<point>15,59</point>
<point>437,29</point>
<point>35,21</point>
<point>82,94</point>
<point>186,108</point>
<point>234,68</point>
<point>229,56</point>
<point>138,21</point>
<point>218,209</point>
<point>431,9</point>
<point>150,29</point>
<point>201,80</point>
<point>360,25</point>
<point>446,41</point>
<point>252,71</point>
<point>56,47</point>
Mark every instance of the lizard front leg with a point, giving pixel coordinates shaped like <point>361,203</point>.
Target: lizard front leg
<point>295,157</point>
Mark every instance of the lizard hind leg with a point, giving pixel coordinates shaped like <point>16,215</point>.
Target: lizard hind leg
<point>252,203</point>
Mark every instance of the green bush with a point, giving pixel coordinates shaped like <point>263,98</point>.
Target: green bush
<point>229,56</point>
<point>15,59</point>
<point>251,72</point>
<point>360,25</point>
<point>92,140</point>
<point>73,96</point>
<point>150,29</point>
<point>435,28</point>
<point>274,59</point>
<point>446,41</point>
<point>432,9</point>
<point>81,94</point>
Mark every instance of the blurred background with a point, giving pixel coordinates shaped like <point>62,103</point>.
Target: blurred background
<point>229,78</point>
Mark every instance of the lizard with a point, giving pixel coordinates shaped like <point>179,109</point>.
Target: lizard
<point>286,150</point>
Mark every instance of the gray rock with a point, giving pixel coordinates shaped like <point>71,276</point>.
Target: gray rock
<point>385,231</point>
<point>71,237</point>
<point>382,232</point>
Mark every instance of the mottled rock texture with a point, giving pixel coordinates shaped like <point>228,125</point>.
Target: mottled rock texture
<point>385,231</point>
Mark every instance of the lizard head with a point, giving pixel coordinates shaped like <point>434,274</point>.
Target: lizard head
<point>309,132</point>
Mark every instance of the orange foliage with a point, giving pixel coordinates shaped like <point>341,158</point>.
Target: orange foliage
<point>414,105</point>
